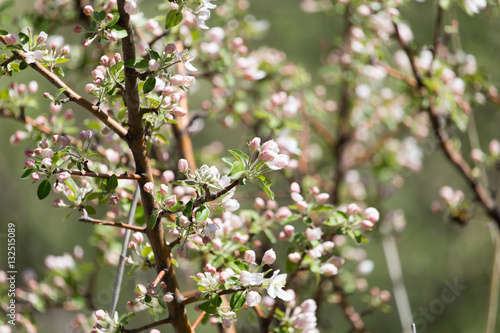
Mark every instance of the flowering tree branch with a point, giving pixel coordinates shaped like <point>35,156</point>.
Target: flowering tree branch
<point>79,173</point>
<point>88,219</point>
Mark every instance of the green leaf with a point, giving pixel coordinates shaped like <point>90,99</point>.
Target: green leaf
<point>264,187</point>
<point>112,183</point>
<point>237,170</point>
<point>174,17</point>
<point>162,138</point>
<point>120,32</point>
<point>228,160</point>
<point>91,210</point>
<point>92,195</point>
<point>149,85</point>
<point>3,33</point>
<point>43,189</point>
<point>137,63</point>
<point>23,65</point>
<point>240,156</point>
<point>152,220</point>
<point>115,19</point>
<point>99,15</point>
<point>188,209</point>
<point>124,318</point>
<point>27,173</point>
<point>208,307</point>
<point>202,214</point>
<point>58,71</point>
<point>23,38</point>
<point>270,235</point>
<point>154,55</point>
<point>238,300</point>
<point>60,91</point>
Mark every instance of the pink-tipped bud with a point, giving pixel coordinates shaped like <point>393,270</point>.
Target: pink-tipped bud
<point>353,209</point>
<point>85,43</point>
<point>29,163</point>
<point>10,39</point>
<point>41,38</point>
<point>77,29</point>
<point>109,16</point>
<point>100,315</point>
<point>283,212</point>
<point>269,257</point>
<point>167,298</point>
<point>138,237</point>
<point>494,147</point>
<point>114,200</point>
<point>183,165</point>
<point>65,50</point>
<point>177,80</point>
<point>322,197</point>
<point>372,214</point>
<point>302,205</point>
<point>295,187</point>
<point>267,156</point>
<point>294,257</point>
<point>476,155</point>
<point>149,187</point>
<point>163,189</point>
<point>170,48</point>
<point>171,201</point>
<point>255,143</point>
<point>289,230</point>
<point>367,225</point>
<point>179,112</point>
<point>89,88</point>
<point>153,65</point>
<point>63,176</point>
<point>184,221</point>
<point>176,97</point>
<point>313,234</point>
<point>88,10</point>
<point>259,203</point>
<point>104,61</point>
<point>35,176</point>
<point>249,256</point>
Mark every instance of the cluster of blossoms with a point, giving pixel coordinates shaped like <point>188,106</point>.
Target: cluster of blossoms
<point>269,153</point>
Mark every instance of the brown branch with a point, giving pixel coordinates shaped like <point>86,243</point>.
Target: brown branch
<point>78,173</point>
<point>26,120</point>
<point>198,320</point>
<point>137,142</point>
<point>453,155</point>
<point>159,277</point>
<point>148,326</point>
<point>87,219</point>
<point>72,95</point>
<point>220,293</point>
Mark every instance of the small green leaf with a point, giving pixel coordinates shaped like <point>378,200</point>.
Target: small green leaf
<point>125,317</point>
<point>115,19</point>
<point>264,187</point>
<point>202,214</point>
<point>228,160</point>
<point>99,15</point>
<point>174,17</point>
<point>23,65</point>
<point>3,33</point>
<point>112,183</point>
<point>152,220</point>
<point>120,32</point>
<point>91,210</point>
<point>162,138</point>
<point>92,195</point>
<point>237,170</point>
<point>23,38</point>
<point>27,173</point>
<point>240,156</point>
<point>137,63</point>
<point>154,55</point>
<point>60,91</point>
<point>188,209</point>
<point>208,307</point>
<point>58,71</point>
<point>149,85</point>
<point>237,300</point>
<point>43,189</point>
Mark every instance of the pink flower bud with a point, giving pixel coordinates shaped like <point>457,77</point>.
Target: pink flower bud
<point>65,50</point>
<point>302,205</point>
<point>47,153</point>
<point>85,43</point>
<point>295,187</point>
<point>217,244</point>
<point>46,95</point>
<point>167,298</point>
<point>255,143</point>
<point>322,197</point>
<point>226,323</point>
<point>109,16</point>
<point>353,209</point>
<point>28,153</point>
<point>259,203</point>
<point>181,252</point>
<point>183,165</point>
<point>114,200</point>
<point>476,155</point>
<point>163,189</point>
<point>21,88</point>
<point>179,112</point>
<point>294,257</point>
<point>372,214</point>
<point>494,147</point>
<point>177,80</point>
<point>44,143</point>
<point>77,29</point>
<point>269,257</point>
<point>88,10</point>
<point>149,187</point>
<point>313,234</point>
<point>131,7</point>
<point>153,65</point>
<point>118,57</point>
<point>249,256</point>
<point>29,163</point>
<point>171,201</point>
<point>63,176</point>
<point>104,61</point>
<point>170,48</point>
<point>10,39</point>
<point>289,230</point>
<point>64,140</point>
<point>41,38</point>
<point>283,212</point>
<point>35,176</point>
<point>176,97</point>
<point>329,269</point>
<point>32,87</point>
<point>89,88</point>
<point>267,156</point>
<point>367,225</point>
<point>100,315</point>
<point>184,221</point>
<point>138,237</point>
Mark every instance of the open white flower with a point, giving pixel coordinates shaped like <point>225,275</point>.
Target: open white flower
<point>275,288</point>
<point>251,279</point>
<point>31,56</point>
<point>230,204</point>
<point>186,57</point>
<point>204,13</point>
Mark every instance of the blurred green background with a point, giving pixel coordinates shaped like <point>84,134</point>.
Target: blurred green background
<point>432,251</point>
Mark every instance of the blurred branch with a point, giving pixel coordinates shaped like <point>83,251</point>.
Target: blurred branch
<point>78,173</point>
<point>88,219</point>
<point>72,95</point>
<point>148,326</point>
<point>24,119</point>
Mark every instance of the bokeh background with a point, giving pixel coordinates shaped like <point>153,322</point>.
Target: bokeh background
<point>433,251</point>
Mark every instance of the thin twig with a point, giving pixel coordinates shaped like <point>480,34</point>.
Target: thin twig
<point>87,219</point>
<point>198,320</point>
<point>79,173</point>
<point>148,326</point>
